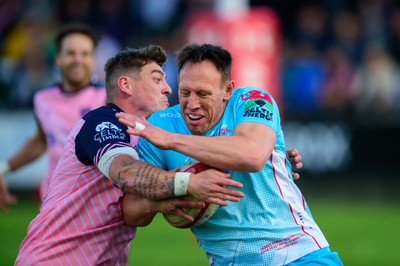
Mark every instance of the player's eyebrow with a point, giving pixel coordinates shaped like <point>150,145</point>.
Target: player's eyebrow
<point>158,71</point>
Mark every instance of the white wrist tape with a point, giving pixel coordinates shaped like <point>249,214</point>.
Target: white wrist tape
<point>139,126</point>
<point>181,183</point>
<point>108,157</point>
<point>4,168</point>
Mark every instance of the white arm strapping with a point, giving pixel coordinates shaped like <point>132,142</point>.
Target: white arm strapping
<point>4,168</point>
<point>181,183</point>
<point>108,157</point>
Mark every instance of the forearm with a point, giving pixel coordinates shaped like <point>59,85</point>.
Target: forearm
<point>142,179</point>
<point>231,153</point>
<point>138,211</point>
<point>31,151</point>
<point>247,150</point>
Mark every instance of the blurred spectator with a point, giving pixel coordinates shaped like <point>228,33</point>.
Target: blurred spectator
<point>158,14</point>
<point>10,11</point>
<point>376,83</point>
<point>311,27</point>
<point>347,34</point>
<point>107,47</point>
<point>374,13</point>
<point>303,76</point>
<point>76,11</point>
<point>26,56</point>
<point>336,94</point>
<point>322,41</point>
<point>156,17</point>
<point>113,20</point>
<point>394,34</point>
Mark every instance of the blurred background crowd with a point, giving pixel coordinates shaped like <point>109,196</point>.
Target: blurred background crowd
<point>337,56</point>
<point>339,64</point>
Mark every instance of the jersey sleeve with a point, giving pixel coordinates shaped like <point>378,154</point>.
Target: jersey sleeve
<point>257,106</point>
<point>99,134</point>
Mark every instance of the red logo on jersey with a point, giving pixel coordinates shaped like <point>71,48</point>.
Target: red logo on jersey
<point>253,95</point>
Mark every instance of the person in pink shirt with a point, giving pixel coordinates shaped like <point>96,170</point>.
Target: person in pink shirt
<point>80,220</point>
<point>59,107</point>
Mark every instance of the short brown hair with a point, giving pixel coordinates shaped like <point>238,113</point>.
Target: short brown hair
<point>73,28</point>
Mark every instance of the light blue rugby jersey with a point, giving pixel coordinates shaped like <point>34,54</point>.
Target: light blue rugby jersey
<point>272,224</point>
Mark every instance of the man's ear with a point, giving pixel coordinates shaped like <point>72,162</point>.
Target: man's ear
<point>228,89</point>
<point>123,84</point>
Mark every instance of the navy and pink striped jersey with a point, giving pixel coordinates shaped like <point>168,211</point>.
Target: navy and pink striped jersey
<point>80,220</point>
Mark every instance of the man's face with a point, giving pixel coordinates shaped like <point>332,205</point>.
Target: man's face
<point>201,96</point>
<point>151,89</point>
<point>75,60</point>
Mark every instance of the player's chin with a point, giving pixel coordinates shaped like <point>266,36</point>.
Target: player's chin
<point>164,105</point>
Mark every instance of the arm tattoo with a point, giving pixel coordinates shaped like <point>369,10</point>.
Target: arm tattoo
<point>145,180</point>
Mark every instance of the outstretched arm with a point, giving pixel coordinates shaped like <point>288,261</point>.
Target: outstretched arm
<point>142,179</point>
<point>30,151</point>
<point>247,150</point>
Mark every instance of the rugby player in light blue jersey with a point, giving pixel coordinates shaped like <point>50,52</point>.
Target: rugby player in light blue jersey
<point>238,130</point>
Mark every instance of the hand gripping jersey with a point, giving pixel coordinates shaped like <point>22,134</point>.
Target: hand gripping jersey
<point>80,220</point>
<point>272,224</point>
<point>57,112</point>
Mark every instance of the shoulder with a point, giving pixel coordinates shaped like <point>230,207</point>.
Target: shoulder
<point>101,113</point>
<point>252,94</point>
<point>98,86</point>
<point>103,124</point>
<point>51,90</point>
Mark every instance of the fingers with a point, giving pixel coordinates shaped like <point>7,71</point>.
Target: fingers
<point>218,201</point>
<point>298,165</point>
<point>296,176</point>
<point>292,152</point>
<point>231,194</point>
<point>175,170</point>
<point>294,158</point>
<point>215,187</point>
<point>185,216</point>
<point>221,194</point>
<point>230,183</point>
<point>127,122</point>
<point>176,206</point>
<point>190,204</point>
<point>130,120</point>
<point>5,197</point>
<point>6,200</point>
<point>226,195</point>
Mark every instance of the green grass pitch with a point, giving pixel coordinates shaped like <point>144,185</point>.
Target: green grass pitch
<point>363,232</point>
